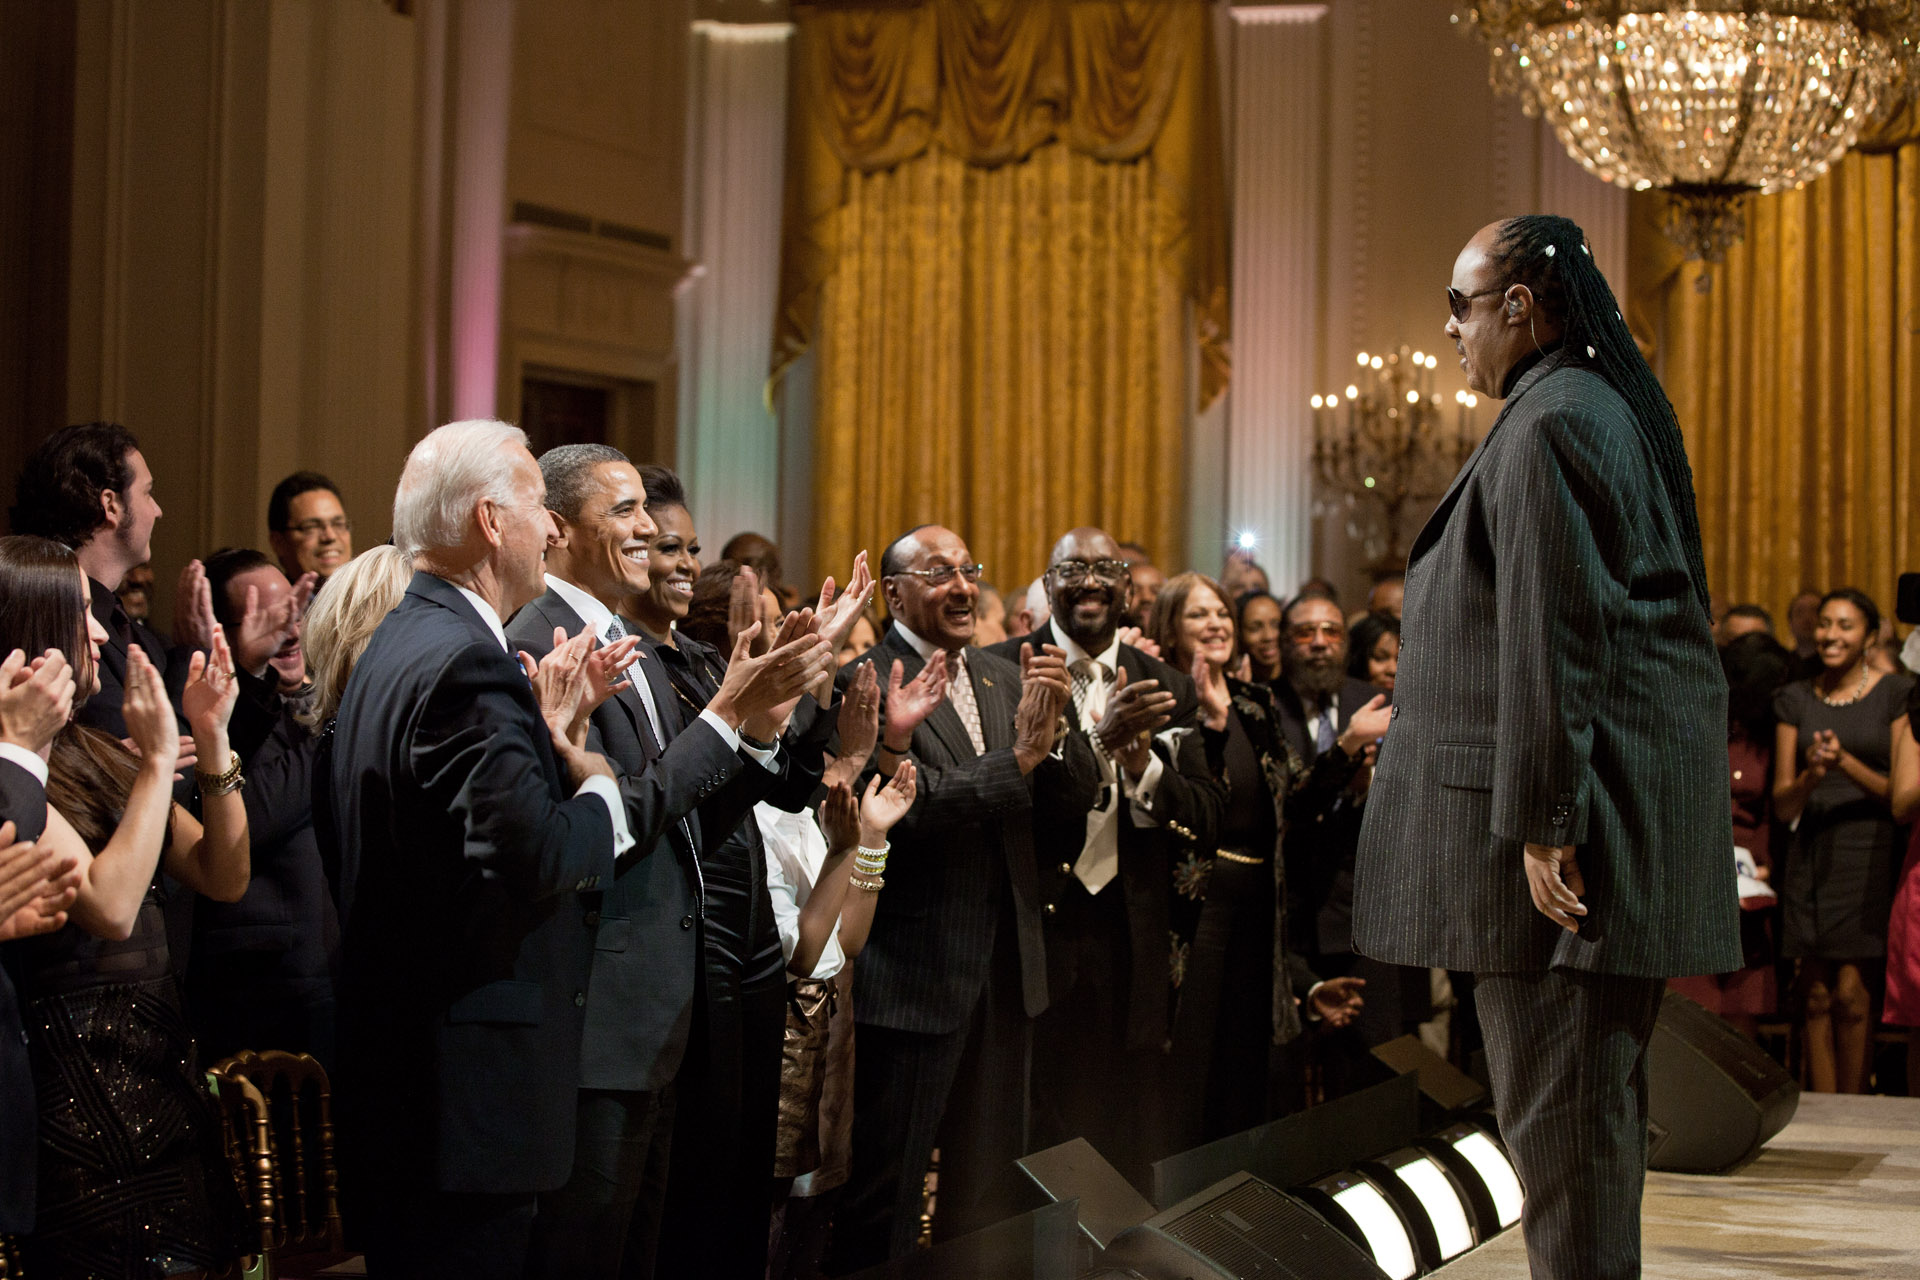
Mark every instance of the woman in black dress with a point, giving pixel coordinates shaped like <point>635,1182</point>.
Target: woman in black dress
<point>1236,984</point>
<point>728,1101</point>
<point>1832,752</point>
<point>132,1179</point>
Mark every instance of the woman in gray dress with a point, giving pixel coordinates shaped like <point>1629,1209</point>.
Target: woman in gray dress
<point>1832,752</point>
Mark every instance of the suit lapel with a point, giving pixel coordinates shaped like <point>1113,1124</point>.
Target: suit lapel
<point>1430,531</point>
<point>996,702</point>
<point>943,722</point>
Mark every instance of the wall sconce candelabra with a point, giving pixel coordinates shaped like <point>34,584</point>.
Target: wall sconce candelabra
<point>1384,443</point>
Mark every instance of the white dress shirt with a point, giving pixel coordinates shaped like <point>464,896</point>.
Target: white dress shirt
<point>596,784</point>
<point>796,850</point>
<point>600,618</point>
<point>1099,859</point>
<point>28,760</point>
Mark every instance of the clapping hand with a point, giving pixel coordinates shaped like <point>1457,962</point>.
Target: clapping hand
<point>884,805</point>
<point>210,693</point>
<point>910,702</point>
<point>153,734</point>
<point>763,683</point>
<point>1210,685</point>
<point>840,816</point>
<point>858,725</point>
<point>1823,753</point>
<point>264,628</point>
<point>607,670</point>
<point>743,613</point>
<point>1337,1000</point>
<point>36,886</point>
<point>36,698</point>
<point>1134,713</point>
<point>560,686</point>
<point>1137,638</point>
<point>193,620</point>
<point>1361,738</point>
<point>1045,689</point>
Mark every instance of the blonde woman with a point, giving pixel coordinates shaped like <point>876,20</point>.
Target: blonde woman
<point>344,616</point>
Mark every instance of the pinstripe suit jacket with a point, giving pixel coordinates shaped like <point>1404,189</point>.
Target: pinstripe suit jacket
<point>965,844</point>
<point>1558,684</point>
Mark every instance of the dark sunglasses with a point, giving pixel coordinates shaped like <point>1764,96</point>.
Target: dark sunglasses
<point>1461,303</point>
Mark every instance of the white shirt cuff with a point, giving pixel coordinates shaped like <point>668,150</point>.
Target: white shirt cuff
<point>731,736</point>
<point>603,786</point>
<point>26,759</point>
<point>1141,792</point>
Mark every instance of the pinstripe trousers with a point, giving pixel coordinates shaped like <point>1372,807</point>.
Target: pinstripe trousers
<point>1567,1050</point>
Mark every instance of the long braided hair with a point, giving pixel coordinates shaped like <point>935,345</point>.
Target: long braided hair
<point>1550,256</point>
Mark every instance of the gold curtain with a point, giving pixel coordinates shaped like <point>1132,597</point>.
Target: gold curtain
<point>1005,222</point>
<point>1792,369</point>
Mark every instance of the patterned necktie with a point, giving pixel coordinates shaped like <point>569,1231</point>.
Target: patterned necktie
<point>1089,691</point>
<point>651,733</point>
<point>1323,735</point>
<point>960,689</point>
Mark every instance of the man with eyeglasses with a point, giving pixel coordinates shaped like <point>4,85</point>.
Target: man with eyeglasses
<point>308,527</point>
<point>954,969</point>
<point>1550,808</point>
<point>1105,865</point>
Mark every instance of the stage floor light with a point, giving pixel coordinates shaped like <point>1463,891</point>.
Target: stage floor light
<point>1368,1212</point>
<point>1428,1191</point>
<point>1491,1165</point>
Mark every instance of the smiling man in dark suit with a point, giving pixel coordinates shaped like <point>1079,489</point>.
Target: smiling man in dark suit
<point>680,778</point>
<point>1106,865</point>
<point>467,833</point>
<point>954,971</point>
<point>1550,807</point>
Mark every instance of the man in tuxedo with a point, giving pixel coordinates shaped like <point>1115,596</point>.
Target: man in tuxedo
<point>1550,807</point>
<point>35,701</point>
<point>468,831</point>
<point>88,487</point>
<point>954,969</point>
<point>1105,865</point>
<point>1333,722</point>
<point>676,775</point>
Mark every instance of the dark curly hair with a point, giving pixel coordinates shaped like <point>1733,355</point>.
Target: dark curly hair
<point>1757,667</point>
<point>1365,634</point>
<point>1550,256</point>
<point>58,492</point>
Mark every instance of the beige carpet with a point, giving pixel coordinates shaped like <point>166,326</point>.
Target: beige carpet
<point>1837,1193</point>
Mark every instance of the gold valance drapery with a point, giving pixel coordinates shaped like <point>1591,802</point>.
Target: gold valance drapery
<point>990,82</point>
<point>1792,367</point>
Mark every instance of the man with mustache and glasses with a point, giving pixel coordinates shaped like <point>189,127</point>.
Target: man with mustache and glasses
<point>1105,868</point>
<point>954,971</point>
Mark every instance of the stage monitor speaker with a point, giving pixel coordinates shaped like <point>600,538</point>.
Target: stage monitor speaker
<point>1239,1229</point>
<point>1713,1096</point>
<point>1075,1171</point>
<point>1296,1149</point>
<point>1044,1245</point>
<point>1445,1085</point>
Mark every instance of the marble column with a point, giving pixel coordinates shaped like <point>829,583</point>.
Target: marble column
<point>1277,121</point>
<point>729,451</point>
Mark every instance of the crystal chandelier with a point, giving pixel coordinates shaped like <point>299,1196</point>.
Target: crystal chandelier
<point>1385,445</point>
<point>1708,100</point>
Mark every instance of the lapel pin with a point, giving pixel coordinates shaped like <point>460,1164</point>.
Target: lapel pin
<point>986,682</point>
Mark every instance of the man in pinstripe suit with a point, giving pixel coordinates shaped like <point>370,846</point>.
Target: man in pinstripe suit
<point>1550,807</point>
<point>954,971</point>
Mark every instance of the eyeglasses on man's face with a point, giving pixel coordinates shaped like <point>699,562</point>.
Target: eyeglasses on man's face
<point>941,574</point>
<point>1070,572</point>
<point>1308,632</point>
<point>1461,303</point>
<point>339,525</point>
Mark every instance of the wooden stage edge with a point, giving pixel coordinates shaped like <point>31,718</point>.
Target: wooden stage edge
<point>1836,1193</point>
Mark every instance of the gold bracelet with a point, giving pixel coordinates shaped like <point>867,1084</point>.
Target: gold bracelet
<point>872,884</point>
<point>224,783</point>
<point>1231,856</point>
